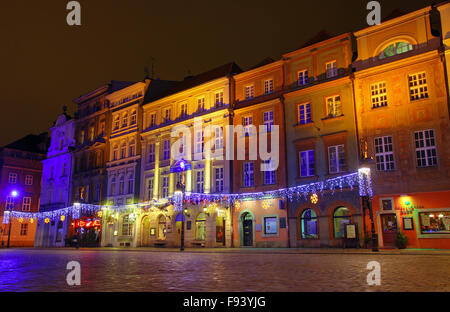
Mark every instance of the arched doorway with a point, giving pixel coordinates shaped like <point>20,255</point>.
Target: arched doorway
<point>145,232</point>
<point>161,227</point>
<point>200,227</point>
<point>308,224</point>
<point>341,217</point>
<point>247,229</point>
<point>178,219</point>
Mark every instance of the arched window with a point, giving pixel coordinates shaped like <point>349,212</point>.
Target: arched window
<point>115,152</point>
<point>125,120</point>
<point>126,226</point>
<point>395,48</point>
<point>133,118</point>
<point>308,224</point>
<point>200,227</point>
<point>162,227</point>
<point>123,150</point>
<point>112,190</point>
<point>121,185</point>
<point>132,149</point>
<point>116,122</point>
<point>341,217</point>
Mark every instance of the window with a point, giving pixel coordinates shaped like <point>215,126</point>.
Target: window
<point>218,138</point>
<point>123,150</point>
<point>434,222</point>
<point>133,118</point>
<point>425,148</point>
<point>116,122</point>
<point>334,106</point>
<point>302,77</point>
<point>269,175</point>
<point>249,92</point>
<point>270,225</point>
<point>124,120</point>
<point>165,186</point>
<point>306,160</point>
<point>9,203</point>
<point>394,49</point>
<point>52,172</point>
<point>384,154</point>
<point>151,152</point>
<point>219,179</point>
<point>122,185</point>
<point>132,149</point>
<point>166,151</point>
<point>98,192</point>
<point>112,190</point>
<point>336,159</point>
<point>91,134</point>
<point>418,88</point>
<point>308,224</point>
<point>199,181</point>
<point>378,94</point>
<point>167,115</point>
<point>199,142</point>
<point>247,123</point>
<point>183,110</point>
<point>23,229</point>
<point>12,178</point>
<point>82,137</point>
<point>200,227</point>
<point>304,113</point>
<point>115,152</point>
<point>26,205</point>
<point>102,128</point>
<point>200,104</point>
<point>268,120</point>
<point>150,189</point>
<point>248,174</point>
<point>268,86</point>
<point>341,217</point>
<point>218,99</point>
<point>331,68</point>
<point>126,226</point>
<point>130,184</point>
<point>152,120</point>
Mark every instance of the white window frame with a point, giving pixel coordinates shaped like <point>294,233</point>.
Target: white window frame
<point>249,92</point>
<point>165,186</point>
<point>335,108</point>
<point>218,138</point>
<point>268,86</point>
<point>200,181</point>
<point>378,94</point>
<point>305,120</point>
<point>201,104</point>
<point>427,147</point>
<point>269,175</point>
<point>199,142</point>
<point>384,153</point>
<point>418,87</point>
<point>26,203</point>
<point>302,77</point>
<point>336,150</point>
<point>218,99</point>
<point>331,71</point>
<point>268,120</point>
<point>247,122</point>
<point>12,178</point>
<point>248,176</point>
<point>219,181</point>
<point>305,155</point>
<point>150,188</point>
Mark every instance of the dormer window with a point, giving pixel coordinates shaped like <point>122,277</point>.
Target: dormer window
<point>395,48</point>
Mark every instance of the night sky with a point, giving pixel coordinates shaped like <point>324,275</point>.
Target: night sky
<point>45,64</point>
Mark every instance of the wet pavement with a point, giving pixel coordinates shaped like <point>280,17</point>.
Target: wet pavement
<point>133,270</point>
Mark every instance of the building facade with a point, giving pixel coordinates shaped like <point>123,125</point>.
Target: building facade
<point>403,122</point>
<point>56,182</point>
<point>21,170</point>
<point>321,141</point>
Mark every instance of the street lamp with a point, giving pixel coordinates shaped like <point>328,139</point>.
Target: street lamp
<point>14,194</point>
<point>180,166</point>
<point>364,176</point>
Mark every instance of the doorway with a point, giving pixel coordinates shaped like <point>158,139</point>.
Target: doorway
<point>145,232</point>
<point>247,228</point>
<point>389,229</point>
<point>220,231</point>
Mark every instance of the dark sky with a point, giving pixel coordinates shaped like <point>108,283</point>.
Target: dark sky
<point>45,64</point>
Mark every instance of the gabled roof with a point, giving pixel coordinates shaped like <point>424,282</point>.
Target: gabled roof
<point>35,143</point>
<point>156,88</point>
<point>187,83</point>
<point>116,85</point>
<point>266,61</point>
<point>320,36</point>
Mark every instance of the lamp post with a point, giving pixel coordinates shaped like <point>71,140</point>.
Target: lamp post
<point>366,193</point>
<point>181,166</point>
<point>14,195</point>
<point>367,203</point>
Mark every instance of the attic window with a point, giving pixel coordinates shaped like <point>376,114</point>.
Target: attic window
<point>395,48</point>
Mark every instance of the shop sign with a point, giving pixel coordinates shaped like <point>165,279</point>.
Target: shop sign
<point>408,209</point>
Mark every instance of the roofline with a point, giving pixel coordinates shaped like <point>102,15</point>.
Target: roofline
<point>412,15</point>
<point>86,96</point>
<point>260,68</point>
<point>318,44</point>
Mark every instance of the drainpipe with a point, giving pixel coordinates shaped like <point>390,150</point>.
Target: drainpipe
<point>286,204</point>
<point>231,173</point>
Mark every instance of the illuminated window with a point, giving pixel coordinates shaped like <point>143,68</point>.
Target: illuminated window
<point>268,120</point>
<point>133,118</point>
<point>395,48</point>
<point>199,142</point>
<point>218,99</point>
<point>151,152</point>
<point>268,86</point>
<point>248,174</point>
<point>23,229</point>
<point>336,159</point>
<point>378,94</point>
<point>334,106</point>
<point>82,137</point>
<point>341,217</point>
<point>384,153</point>
<point>434,222</point>
<point>126,226</point>
<point>418,88</point>
<point>304,113</point>
<point>270,225</point>
<point>26,204</point>
<point>308,224</point>
<point>307,167</point>
<point>12,178</point>
<point>249,92</point>
<point>331,69</point>
<point>219,179</point>
<point>426,153</point>
<point>302,77</point>
<point>91,134</point>
<point>200,175</point>
<point>269,175</point>
<point>200,227</point>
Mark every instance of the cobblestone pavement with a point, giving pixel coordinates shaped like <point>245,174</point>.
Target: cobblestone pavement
<point>115,270</point>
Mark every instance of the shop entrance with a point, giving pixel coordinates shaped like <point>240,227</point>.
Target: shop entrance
<point>178,226</point>
<point>389,227</point>
<point>247,227</point>
<point>220,231</point>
